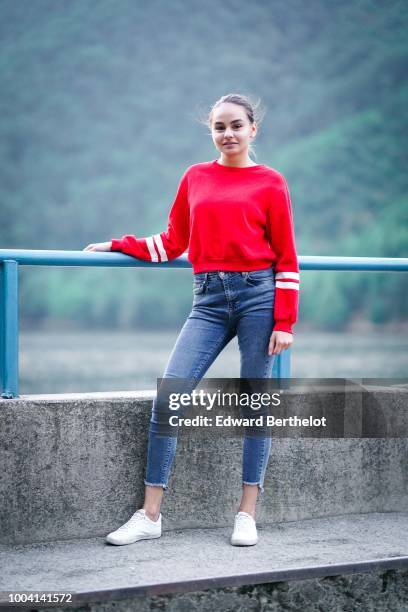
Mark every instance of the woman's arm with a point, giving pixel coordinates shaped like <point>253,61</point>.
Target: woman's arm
<point>168,244</point>
<point>282,241</point>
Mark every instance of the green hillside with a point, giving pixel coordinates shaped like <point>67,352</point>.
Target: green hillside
<point>100,104</point>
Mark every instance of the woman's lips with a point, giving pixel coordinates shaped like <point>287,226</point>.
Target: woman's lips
<point>227,144</point>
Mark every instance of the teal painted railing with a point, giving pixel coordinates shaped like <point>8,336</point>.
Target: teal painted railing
<point>10,259</point>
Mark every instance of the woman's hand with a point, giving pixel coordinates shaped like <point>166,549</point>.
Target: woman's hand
<point>99,246</point>
<point>279,342</point>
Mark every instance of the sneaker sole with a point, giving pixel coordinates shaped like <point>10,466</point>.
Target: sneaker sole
<point>147,537</point>
<point>244,542</point>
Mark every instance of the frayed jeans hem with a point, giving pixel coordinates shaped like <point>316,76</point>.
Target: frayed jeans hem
<point>260,486</point>
<point>156,484</point>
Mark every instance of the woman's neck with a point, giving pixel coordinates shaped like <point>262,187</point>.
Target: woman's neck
<point>236,163</point>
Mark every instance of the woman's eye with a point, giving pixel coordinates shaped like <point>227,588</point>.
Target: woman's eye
<point>235,127</point>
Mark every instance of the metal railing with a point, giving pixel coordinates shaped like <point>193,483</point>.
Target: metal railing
<point>10,259</point>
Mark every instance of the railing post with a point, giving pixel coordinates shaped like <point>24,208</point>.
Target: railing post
<point>9,329</point>
<point>281,365</point>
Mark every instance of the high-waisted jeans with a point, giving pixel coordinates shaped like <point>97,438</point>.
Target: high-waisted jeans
<point>225,305</point>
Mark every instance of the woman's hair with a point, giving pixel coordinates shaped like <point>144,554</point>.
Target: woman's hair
<point>254,111</point>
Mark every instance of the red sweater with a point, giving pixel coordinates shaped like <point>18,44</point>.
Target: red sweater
<point>230,219</point>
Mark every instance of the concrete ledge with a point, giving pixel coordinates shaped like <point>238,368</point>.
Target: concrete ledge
<point>73,466</point>
<point>192,560</point>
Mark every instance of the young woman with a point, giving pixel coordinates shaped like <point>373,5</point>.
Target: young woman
<point>235,218</point>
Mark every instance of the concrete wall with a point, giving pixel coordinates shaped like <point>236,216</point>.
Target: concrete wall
<point>73,466</point>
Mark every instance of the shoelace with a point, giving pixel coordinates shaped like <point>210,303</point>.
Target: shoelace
<point>136,518</point>
<point>242,520</point>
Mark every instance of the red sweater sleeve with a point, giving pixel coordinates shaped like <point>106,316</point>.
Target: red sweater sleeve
<point>168,244</point>
<point>282,240</point>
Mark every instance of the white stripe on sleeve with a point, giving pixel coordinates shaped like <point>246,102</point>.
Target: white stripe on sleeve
<point>281,285</point>
<point>152,250</point>
<point>290,275</point>
<point>159,244</point>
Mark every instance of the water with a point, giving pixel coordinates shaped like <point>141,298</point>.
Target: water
<point>78,361</point>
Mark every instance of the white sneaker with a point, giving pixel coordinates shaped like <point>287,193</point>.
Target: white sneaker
<point>244,530</point>
<point>138,527</point>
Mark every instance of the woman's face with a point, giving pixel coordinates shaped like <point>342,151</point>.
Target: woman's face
<point>231,130</point>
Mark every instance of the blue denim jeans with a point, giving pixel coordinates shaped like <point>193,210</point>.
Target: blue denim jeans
<point>225,305</point>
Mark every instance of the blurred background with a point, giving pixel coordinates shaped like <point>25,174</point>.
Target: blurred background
<point>100,107</point>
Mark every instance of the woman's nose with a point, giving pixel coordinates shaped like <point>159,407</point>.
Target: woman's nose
<point>228,132</point>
